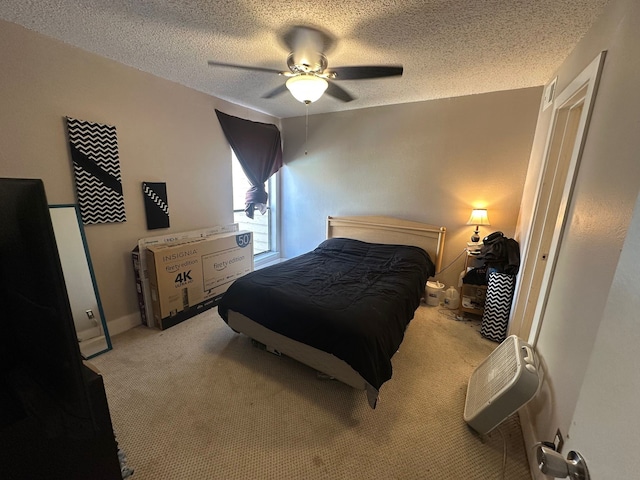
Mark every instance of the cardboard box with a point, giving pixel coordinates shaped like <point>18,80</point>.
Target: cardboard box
<point>189,277</point>
<point>172,238</point>
<point>137,271</point>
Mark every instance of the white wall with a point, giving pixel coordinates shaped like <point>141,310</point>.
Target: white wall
<point>166,133</point>
<point>605,426</point>
<point>591,312</point>
<point>428,161</point>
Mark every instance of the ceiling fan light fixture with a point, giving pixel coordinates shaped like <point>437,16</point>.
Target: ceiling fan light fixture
<point>307,88</point>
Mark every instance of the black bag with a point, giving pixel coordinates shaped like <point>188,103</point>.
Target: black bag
<point>493,250</point>
<point>476,276</point>
<point>513,257</point>
<point>500,254</point>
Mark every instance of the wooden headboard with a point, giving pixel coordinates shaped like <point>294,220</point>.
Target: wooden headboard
<point>391,231</point>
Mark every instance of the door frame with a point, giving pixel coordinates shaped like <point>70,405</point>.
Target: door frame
<point>581,91</point>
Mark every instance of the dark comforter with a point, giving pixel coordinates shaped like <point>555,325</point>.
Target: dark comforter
<point>348,298</point>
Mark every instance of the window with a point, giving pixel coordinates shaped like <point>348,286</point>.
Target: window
<point>262,226</point>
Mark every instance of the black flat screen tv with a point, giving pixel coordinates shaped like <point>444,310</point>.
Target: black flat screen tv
<point>42,377</point>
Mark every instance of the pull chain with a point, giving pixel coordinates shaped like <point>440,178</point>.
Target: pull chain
<point>306,127</point>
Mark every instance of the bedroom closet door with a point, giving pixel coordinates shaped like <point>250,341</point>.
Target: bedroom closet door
<point>91,327</point>
<point>566,138</point>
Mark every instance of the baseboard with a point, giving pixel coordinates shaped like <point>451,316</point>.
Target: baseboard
<point>122,324</point>
<point>530,440</point>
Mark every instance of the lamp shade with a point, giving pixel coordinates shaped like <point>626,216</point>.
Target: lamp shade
<point>478,217</point>
<point>307,88</point>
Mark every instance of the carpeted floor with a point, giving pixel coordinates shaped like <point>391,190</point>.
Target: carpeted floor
<point>198,401</point>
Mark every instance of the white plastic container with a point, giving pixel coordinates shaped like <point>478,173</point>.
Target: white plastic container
<point>434,293</point>
<point>452,298</point>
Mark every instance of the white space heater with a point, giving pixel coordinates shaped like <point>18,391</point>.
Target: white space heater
<point>506,380</point>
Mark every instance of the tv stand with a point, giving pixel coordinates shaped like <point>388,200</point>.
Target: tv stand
<point>27,451</point>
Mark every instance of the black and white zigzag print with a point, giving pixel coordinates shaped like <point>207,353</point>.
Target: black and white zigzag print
<point>497,307</point>
<point>155,204</point>
<point>96,164</point>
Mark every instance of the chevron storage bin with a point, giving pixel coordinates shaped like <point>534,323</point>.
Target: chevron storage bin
<point>497,307</point>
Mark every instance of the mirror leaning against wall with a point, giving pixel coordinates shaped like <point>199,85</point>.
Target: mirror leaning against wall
<point>88,317</point>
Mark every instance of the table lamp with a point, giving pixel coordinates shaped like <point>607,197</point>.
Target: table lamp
<point>478,217</point>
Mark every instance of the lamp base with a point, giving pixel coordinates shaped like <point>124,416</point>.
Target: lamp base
<point>475,238</point>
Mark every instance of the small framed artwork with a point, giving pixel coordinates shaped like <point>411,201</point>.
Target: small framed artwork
<point>156,204</point>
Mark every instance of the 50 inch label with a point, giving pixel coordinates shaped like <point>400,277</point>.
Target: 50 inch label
<point>243,240</point>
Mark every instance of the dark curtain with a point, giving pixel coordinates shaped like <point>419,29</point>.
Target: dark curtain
<point>259,151</point>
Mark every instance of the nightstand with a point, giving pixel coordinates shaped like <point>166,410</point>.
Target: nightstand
<point>472,297</point>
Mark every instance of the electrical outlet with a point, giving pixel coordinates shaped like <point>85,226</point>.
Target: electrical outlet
<point>90,314</point>
<point>558,441</point>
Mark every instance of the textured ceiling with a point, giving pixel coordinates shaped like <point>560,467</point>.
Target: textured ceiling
<point>448,47</point>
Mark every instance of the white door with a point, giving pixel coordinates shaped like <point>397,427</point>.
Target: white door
<point>567,133</point>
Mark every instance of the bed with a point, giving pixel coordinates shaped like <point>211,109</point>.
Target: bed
<point>342,308</point>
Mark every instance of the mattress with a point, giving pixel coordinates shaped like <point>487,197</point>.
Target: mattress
<point>348,298</point>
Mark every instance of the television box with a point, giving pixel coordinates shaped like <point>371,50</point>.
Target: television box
<point>190,277</point>
<point>173,237</point>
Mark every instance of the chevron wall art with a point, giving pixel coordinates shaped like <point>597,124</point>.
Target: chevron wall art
<point>495,318</point>
<point>155,205</point>
<point>96,165</point>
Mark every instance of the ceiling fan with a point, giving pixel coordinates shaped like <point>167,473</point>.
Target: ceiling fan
<point>309,76</point>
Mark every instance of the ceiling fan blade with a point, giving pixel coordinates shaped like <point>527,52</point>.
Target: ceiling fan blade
<point>243,67</point>
<point>339,93</point>
<point>366,71</point>
<point>276,91</point>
